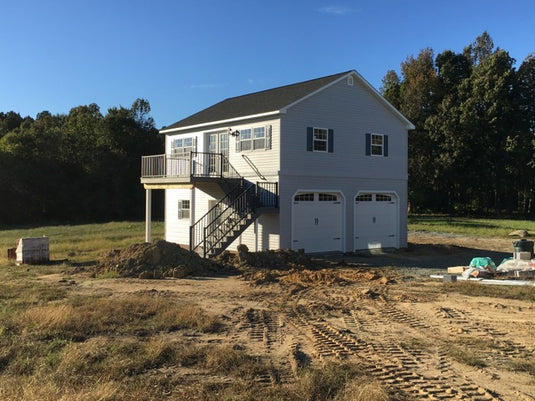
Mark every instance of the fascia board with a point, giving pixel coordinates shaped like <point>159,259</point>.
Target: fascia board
<point>230,120</point>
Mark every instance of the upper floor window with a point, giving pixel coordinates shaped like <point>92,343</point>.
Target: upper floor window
<point>259,138</point>
<point>320,140</point>
<point>182,146</point>
<point>254,138</point>
<point>245,139</point>
<point>376,145</point>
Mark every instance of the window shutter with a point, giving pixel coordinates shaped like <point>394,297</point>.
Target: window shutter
<point>268,136</point>
<point>385,145</point>
<point>368,144</point>
<point>179,209</point>
<point>330,141</point>
<point>310,139</point>
<point>194,143</point>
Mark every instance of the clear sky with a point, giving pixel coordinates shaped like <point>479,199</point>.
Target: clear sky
<point>185,55</point>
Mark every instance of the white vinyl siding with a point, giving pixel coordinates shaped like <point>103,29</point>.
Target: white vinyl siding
<point>176,228</point>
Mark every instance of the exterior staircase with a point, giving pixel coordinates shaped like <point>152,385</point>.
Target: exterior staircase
<point>230,217</point>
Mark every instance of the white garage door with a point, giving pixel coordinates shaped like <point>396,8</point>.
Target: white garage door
<point>317,222</point>
<point>376,221</point>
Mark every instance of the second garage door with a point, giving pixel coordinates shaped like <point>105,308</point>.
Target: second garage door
<point>317,219</point>
<point>376,221</point>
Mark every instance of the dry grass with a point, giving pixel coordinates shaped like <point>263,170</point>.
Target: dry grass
<point>525,293</point>
<point>82,317</point>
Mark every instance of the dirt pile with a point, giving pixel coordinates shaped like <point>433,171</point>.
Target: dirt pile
<point>270,259</point>
<point>157,260</point>
<point>306,278</point>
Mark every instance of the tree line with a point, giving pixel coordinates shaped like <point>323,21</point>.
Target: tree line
<point>80,167</point>
<point>472,151</point>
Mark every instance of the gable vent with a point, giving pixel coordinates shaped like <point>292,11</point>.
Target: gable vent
<point>350,81</point>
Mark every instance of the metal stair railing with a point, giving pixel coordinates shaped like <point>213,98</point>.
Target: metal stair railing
<point>197,229</point>
<point>229,219</point>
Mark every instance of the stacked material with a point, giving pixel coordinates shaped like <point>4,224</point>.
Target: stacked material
<point>33,250</point>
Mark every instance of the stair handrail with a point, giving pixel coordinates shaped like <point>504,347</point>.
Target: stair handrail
<point>196,238</point>
<point>253,166</point>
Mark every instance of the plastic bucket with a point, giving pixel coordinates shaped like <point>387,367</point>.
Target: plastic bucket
<point>523,246</point>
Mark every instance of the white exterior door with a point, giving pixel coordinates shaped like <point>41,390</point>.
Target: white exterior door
<point>317,222</point>
<point>217,143</point>
<point>376,221</point>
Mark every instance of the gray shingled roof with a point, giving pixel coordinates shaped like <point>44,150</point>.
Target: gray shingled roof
<point>256,103</point>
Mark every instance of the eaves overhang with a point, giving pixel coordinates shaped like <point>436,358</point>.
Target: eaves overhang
<point>221,122</point>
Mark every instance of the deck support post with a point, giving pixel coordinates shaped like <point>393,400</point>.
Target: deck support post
<point>148,216</point>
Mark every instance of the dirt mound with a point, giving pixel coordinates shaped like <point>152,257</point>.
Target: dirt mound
<point>276,260</point>
<point>311,278</point>
<point>157,260</point>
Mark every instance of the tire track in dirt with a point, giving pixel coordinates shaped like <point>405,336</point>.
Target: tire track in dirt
<point>269,329</point>
<point>391,364</point>
<point>465,323</point>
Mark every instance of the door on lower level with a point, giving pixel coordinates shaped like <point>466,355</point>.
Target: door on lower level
<point>376,221</point>
<point>317,222</point>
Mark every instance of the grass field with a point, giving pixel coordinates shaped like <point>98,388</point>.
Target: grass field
<point>59,344</point>
<point>81,243</point>
<point>469,226</point>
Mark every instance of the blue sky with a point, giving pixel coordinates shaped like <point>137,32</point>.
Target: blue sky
<point>185,55</point>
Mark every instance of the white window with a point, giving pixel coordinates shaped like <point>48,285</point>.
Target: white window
<point>320,140</point>
<point>377,145</point>
<point>383,198</point>
<point>245,139</point>
<point>183,209</point>
<point>182,146</point>
<point>254,138</point>
<point>364,198</point>
<point>259,138</point>
<point>327,197</point>
<point>307,197</point>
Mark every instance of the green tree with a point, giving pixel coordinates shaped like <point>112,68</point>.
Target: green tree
<point>419,96</point>
<point>391,88</point>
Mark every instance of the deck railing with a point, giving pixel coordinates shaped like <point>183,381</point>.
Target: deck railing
<point>194,164</point>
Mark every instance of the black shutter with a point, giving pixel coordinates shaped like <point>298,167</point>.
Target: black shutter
<point>330,141</point>
<point>368,144</point>
<point>310,139</point>
<point>385,145</point>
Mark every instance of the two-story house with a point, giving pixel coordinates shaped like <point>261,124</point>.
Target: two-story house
<point>319,165</point>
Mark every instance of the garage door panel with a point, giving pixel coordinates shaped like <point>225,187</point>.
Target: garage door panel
<point>317,224</point>
<point>375,224</point>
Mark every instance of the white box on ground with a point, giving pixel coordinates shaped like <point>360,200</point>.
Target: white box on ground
<point>33,250</point>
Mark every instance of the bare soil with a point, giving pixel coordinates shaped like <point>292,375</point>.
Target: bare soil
<point>379,310</point>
